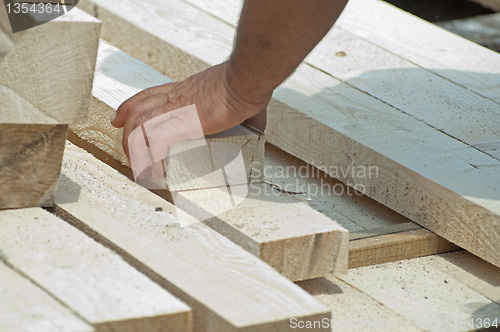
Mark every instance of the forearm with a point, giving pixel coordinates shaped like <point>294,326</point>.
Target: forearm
<point>273,38</point>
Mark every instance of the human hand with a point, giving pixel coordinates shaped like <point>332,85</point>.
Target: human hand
<point>163,107</point>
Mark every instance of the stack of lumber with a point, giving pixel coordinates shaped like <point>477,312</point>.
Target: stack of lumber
<point>299,242</point>
<point>43,88</point>
<point>112,255</point>
<point>432,130</point>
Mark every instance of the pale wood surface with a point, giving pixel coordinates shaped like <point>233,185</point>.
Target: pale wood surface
<point>424,294</point>
<point>30,162</point>
<point>144,31</point>
<point>472,271</point>
<point>92,280</point>
<point>277,238</point>
<point>397,81</point>
<point>227,288</point>
<point>6,43</point>
<point>52,67</point>
<point>430,98</point>
<point>354,310</point>
<point>118,77</point>
<point>396,246</point>
<point>426,45</point>
<point>283,231</point>
<point>26,307</point>
<point>331,197</point>
<point>414,159</point>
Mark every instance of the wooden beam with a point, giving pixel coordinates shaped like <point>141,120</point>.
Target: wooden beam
<point>425,295</point>
<point>111,295</point>
<point>261,223</point>
<point>227,288</point>
<point>30,162</point>
<point>414,160</point>
<point>445,53</point>
<point>26,307</point>
<point>472,271</point>
<point>285,232</point>
<point>51,68</point>
<point>396,246</point>
<point>353,310</point>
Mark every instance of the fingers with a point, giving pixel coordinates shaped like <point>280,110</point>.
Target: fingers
<point>149,142</point>
<point>119,118</point>
<point>142,112</point>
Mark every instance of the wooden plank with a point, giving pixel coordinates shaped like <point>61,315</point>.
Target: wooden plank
<point>285,232</point>
<point>118,77</point>
<point>26,307</point>
<point>423,294</point>
<point>396,246</point>
<point>386,76</point>
<point>472,271</point>
<point>428,97</point>
<point>353,310</point>
<point>227,288</point>
<point>364,218</point>
<point>426,45</point>
<point>261,222</point>
<point>414,160</point>
<point>111,295</point>
<point>51,67</point>
<point>373,232</point>
<point>30,162</point>
<point>331,197</point>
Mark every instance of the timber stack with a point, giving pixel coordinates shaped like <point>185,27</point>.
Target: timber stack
<point>349,211</point>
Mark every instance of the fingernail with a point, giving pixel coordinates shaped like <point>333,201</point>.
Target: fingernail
<point>113,116</point>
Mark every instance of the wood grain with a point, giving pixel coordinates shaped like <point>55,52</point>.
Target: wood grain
<point>388,76</point>
<point>418,290</point>
<point>51,68</point>
<point>264,222</point>
<point>110,294</point>
<point>30,162</point>
<point>472,271</point>
<point>425,45</point>
<point>397,246</point>
<point>418,165</point>
<point>26,307</point>
<point>285,232</point>
<point>352,309</point>
<point>227,288</point>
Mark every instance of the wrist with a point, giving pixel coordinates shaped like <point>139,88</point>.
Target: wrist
<point>245,86</point>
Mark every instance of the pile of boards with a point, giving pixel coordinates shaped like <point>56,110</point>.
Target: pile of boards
<point>428,121</point>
